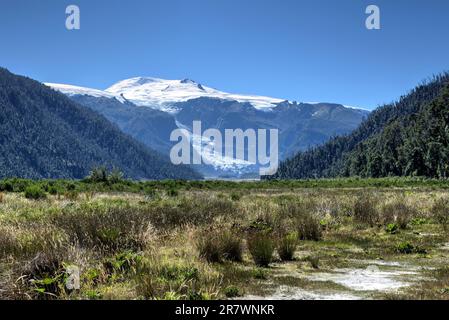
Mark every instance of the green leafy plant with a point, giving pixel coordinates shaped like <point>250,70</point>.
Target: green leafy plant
<point>392,228</point>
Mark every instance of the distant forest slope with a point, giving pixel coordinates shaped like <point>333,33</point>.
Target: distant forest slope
<point>43,134</point>
<point>406,138</point>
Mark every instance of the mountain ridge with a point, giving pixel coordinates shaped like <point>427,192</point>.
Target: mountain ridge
<point>47,135</point>
<point>300,125</point>
<point>354,154</point>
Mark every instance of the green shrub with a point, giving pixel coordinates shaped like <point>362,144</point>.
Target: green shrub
<point>93,295</point>
<point>53,190</point>
<point>261,247</point>
<point>172,192</point>
<point>405,247</point>
<point>287,246</point>
<point>418,221</point>
<point>116,176</point>
<point>158,279</point>
<point>175,272</point>
<point>392,228</point>
<point>122,262</point>
<point>98,174</point>
<point>232,292</point>
<point>235,196</point>
<point>35,192</point>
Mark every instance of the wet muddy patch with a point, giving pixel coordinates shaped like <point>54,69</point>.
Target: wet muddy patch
<point>366,280</point>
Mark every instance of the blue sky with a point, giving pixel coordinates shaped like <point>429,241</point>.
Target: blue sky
<point>300,50</point>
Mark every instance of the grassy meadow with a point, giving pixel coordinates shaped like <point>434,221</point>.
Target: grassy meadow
<point>222,240</point>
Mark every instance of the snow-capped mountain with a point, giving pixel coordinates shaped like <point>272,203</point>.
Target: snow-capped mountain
<point>162,94</point>
<point>70,90</point>
<point>149,109</point>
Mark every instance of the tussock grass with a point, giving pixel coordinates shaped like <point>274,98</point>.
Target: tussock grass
<point>206,242</point>
<point>365,210</point>
<point>261,246</point>
<point>287,245</point>
<point>398,212</point>
<point>440,212</point>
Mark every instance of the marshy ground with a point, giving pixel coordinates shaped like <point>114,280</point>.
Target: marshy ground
<point>252,243</point>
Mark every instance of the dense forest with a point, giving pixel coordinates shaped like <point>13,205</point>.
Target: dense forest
<point>43,134</point>
<point>406,138</point>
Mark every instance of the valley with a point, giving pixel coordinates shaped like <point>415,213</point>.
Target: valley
<point>322,239</point>
<point>149,109</point>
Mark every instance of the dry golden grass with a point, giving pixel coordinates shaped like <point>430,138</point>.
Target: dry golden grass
<point>131,246</point>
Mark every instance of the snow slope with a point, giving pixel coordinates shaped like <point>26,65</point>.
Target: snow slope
<point>163,93</point>
<point>70,90</point>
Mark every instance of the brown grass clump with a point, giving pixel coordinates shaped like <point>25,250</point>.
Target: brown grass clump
<point>398,212</point>
<point>365,210</point>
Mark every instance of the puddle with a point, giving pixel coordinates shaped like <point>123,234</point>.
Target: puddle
<point>290,293</point>
<point>372,276</point>
<point>368,279</point>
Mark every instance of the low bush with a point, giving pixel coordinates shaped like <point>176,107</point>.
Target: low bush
<point>172,192</point>
<point>405,247</point>
<point>392,228</point>
<point>314,261</point>
<point>261,246</point>
<point>398,212</point>
<point>365,211</point>
<point>209,247</point>
<point>440,212</point>
<point>309,227</point>
<point>214,246</point>
<point>235,196</point>
<point>116,227</point>
<point>231,246</point>
<point>158,279</point>
<point>232,292</point>
<point>122,263</point>
<point>304,216</point>
<point>35,192</point>
<point>259,274</point>
<point>287,246</point>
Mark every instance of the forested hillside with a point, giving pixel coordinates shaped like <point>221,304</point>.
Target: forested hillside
<point>43,134</point>
<point>406,138</point>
